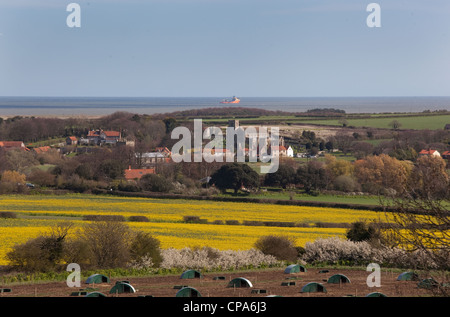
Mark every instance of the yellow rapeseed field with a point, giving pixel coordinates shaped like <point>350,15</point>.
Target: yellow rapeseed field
<point>37,214</point>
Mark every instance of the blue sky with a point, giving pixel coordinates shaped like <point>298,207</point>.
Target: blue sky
<point>215,48</point>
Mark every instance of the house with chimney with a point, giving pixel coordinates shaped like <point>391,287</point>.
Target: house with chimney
<point>101,137</point>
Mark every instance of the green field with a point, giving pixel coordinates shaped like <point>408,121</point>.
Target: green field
<point>407,122</point>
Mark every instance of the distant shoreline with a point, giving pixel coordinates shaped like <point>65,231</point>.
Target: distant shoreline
<point>94,107</point>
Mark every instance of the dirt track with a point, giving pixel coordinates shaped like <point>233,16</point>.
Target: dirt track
<point>270,281</point>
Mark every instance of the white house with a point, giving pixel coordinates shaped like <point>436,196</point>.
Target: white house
<point>429,152</point>
<point>290,152</point>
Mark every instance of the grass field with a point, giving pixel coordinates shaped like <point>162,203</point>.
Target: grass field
<point>407,122</point>
<point>36,215</point>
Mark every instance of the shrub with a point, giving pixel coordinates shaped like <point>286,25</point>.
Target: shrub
<point>335,250</point>
<point>43,253</point>
<point>155,183</point>
<point>194,219</point>
<point>360,231</point>
<point>138,219</point>
<point>108,242</point>
<point>145,247</point>
<point>232,222</point>
<point>346,183</point>
<point>7,214</point>
<point>208,259</point>
<point>104,218</point>
<point>281,247</point>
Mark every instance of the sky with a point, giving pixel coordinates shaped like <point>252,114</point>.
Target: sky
<point>211,48</point>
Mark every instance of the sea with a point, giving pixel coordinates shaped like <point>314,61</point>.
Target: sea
<point>99,106</point>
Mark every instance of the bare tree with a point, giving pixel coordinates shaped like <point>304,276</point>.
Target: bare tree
<point>420,214</point>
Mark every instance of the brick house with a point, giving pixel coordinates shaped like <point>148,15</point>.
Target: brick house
<point>71,140</point>
<point>9,145</point>
<point>100,137</point>
<point>136,174</point>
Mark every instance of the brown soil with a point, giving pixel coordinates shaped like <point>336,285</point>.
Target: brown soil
<point>270,281</point>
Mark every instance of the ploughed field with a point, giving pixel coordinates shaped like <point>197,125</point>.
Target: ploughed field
<point>264,283</point>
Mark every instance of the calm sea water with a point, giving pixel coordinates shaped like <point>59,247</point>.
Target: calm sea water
<point>78,106</point>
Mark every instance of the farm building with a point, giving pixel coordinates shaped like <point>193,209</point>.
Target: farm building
<point>376,294</point>
<point>122,287</point>
<point>97,279</point>
<point>313,287</point>
<point>294,268</point>
<point>428,283</point>
<point>191,274</point>
<point>95,294</point>
<point>240,282</point>
<point>408,276</point>
<point>338,278</point>
<point>188,292</point>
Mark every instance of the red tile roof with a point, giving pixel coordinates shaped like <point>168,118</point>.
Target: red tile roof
<point>12,143</point>
<point>93,133</point>
<point>427,152</point>
<point>111,133</point>
<point>279,148</point>
<point>41,149</point>
<point>137,173</point>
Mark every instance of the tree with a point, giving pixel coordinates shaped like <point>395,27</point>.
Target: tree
<point>338,167</point>
<point>361,231</point>
<point>343,142</point>
<point>284,176</point>
<point>13,177</point>
<point>111,169</point>
<point>281,247</point>
<point>395,124</point>
<point>43,253</point>
<point>343,122</point>
<point>420,212</point>
<point>145,246</point>
<point>313,176</point>
<point>235,176</point>
<point>155,183</point>
<point>381,173</point>
<point>108,242</point>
